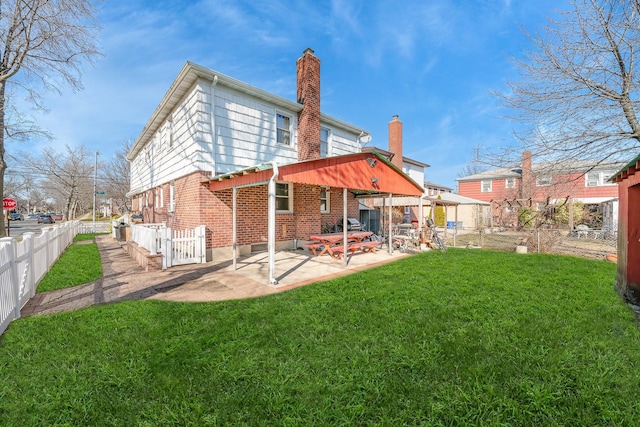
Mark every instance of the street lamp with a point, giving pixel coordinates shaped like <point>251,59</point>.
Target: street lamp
<point>95,179</point>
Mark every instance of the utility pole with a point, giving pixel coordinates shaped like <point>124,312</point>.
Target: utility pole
<point>95,181</point>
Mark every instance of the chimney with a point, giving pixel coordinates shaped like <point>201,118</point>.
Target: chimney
<point>527,183</point>
<point>308,94</point>
<point>395,141</point>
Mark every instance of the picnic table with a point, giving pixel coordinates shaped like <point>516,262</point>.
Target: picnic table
<point>330,243</point>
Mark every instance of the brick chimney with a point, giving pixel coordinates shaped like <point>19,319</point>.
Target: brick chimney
<point>308,94</point>
<point>395,141</point>
<point>527,183</point>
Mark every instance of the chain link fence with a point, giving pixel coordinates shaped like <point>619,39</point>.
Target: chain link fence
<point>586,243</point>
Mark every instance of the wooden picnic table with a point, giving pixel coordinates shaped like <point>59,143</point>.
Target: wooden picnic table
<point>330,243</point>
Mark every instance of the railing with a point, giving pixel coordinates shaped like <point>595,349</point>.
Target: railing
<point>24,263</point>
<point>176,246</point>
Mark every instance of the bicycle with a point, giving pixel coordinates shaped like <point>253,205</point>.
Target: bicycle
<point>436,240</point>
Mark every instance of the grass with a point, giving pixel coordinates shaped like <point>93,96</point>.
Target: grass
<point>469,337</point>
<point>79,264</point>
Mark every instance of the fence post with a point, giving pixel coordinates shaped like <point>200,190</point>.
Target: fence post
<point>27,240</point>
<point>201,243</point>
<point>167,247</point>
<point>538,233</point>
<point>15,283</point>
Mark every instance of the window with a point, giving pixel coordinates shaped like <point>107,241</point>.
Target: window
<point>543,181</point>
<point>324,142</point>
<point>510,182</point>
<point>596,179</point>
<point>283,126</point>
<point>172,196</point>
<point>485,186</point>
<point>158,198</point>
<point>284,197</point>
<point>324,200</point>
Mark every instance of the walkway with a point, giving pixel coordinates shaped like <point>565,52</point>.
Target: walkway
<point>123,279</point>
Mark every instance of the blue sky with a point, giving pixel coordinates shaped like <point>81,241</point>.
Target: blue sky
<point>432,62</point>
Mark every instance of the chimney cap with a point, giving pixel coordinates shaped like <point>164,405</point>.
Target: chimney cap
<point>308,50</point>
<point>395,117</point>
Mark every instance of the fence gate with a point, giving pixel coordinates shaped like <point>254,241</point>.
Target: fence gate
<point>184,246</point>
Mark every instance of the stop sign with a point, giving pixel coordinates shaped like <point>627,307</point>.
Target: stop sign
<point>9,204</point>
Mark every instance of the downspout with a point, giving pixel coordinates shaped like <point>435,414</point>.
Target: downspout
<point>271,224</point>
<point>213,125</point>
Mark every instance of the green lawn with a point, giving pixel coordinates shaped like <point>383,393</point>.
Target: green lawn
<point>468,337</point>
<point>79,264</point>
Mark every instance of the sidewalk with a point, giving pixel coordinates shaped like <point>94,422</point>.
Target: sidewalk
<point>123,279</point>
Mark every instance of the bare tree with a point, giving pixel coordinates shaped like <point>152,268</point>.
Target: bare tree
<point>68,177</point>
<point>117,178</point>
<point>578,93</point>
<point>476,165</point>
<point>42,44</point>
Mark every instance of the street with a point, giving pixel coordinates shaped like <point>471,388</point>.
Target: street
<point>18,228</point>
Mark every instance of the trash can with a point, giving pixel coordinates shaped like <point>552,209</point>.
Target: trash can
<point>451,225</point>
<point>118,230</point>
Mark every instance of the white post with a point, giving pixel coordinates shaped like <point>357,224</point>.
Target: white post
<point>345,223</point>
<point>390,244</point>
<point>27,240</point>
<point>13,274</point>
<point>271,227</point>
<point>234,232</point>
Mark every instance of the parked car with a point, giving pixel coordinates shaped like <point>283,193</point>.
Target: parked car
<point>56,216</point>
<point>16,217</point>
<point>32,216</point>
<point>46,219</point>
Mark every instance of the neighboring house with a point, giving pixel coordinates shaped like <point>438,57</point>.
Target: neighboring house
<point>628,276</point>
<point>433,189</point>
<point>217,151</point>
<point>407,208</point>
<point>538,185</point>
<point>463,212</point>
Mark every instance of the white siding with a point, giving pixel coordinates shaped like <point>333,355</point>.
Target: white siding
<point>415,172</point>
<point>158,163</point>
<point>245,135</point>
<point>246,132</point>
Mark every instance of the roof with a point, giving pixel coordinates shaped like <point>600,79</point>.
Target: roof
<point>456,199</point>
<point>629,169</point>
<point>568,166</point>
<point>389,155</point>
<point>428,184</point>
<point>362,173</point>
<point>189,75</point>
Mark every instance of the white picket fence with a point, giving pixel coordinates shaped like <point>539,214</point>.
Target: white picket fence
<point>24,263</point>
<point>176,246</point>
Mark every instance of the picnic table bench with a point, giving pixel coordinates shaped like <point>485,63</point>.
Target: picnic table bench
<point>331,243</point>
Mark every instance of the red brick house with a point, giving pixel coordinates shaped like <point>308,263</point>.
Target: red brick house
<point>219,152</point>
<point>628,276</point>
<point>537,184</point>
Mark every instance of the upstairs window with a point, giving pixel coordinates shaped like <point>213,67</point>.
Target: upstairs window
<point>543,181</point>
<point>324,142</point>
<point>485,185</point>
<point>510,182</point>
<point>283,126</point>
<point>596,179</point>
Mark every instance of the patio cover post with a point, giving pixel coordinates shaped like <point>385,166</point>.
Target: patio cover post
<point>389,223</point>
<point>234,235</point>
<point>271,231</point>
<point>344,225</point>
<point>420,216</point>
